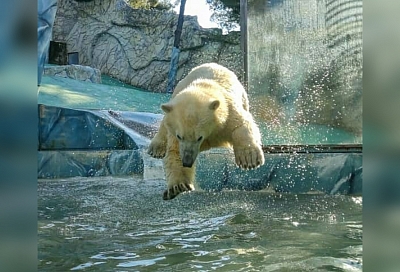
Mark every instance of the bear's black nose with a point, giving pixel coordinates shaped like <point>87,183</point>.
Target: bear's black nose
<point>187,160</point>
<point>185,164</point>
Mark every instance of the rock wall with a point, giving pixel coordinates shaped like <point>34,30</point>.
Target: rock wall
<point>135,46</point>
<point>77,72</point>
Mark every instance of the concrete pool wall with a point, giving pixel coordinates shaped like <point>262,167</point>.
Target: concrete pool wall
<point>84,142</point>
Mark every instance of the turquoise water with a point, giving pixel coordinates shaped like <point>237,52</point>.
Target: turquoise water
<point>122,224</point>
<point>306,135</point>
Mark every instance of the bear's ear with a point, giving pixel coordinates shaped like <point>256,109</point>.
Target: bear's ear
<point>214,105</point>
<point>166,108</point>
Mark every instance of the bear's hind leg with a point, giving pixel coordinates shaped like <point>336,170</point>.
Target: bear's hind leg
<point>179,179</point>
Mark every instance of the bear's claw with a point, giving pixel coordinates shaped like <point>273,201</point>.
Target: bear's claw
<point>157,150</point>
<point>249,157</point>
<point>175,190</point>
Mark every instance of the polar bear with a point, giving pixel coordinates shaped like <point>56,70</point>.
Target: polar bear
<point>208,108</point>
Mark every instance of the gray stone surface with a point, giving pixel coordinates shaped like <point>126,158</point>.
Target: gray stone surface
<point>135,46</point>
<point>78,72</point>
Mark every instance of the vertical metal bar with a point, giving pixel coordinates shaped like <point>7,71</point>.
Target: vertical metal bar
<point>243,41</point>
<point>175,50</point>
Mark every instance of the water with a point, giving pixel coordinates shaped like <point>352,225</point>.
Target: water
<point>122,224</point>
<point>305,67</point>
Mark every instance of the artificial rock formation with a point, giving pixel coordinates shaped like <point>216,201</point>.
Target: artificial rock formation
<point>78,72</point>
<point>135,46</point>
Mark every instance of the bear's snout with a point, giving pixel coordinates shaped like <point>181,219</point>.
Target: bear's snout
<point>187,160</point>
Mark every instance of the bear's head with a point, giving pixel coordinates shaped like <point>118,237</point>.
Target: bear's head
<point>191,118</point>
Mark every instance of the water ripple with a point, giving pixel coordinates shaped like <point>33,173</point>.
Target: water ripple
<point>147,262</point>
<point>228,231</point>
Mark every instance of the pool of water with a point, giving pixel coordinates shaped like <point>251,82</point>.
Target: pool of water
<point>122,224</point>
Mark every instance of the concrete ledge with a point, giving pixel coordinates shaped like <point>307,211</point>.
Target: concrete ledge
<point>330,173</point>
<point>73,71</point>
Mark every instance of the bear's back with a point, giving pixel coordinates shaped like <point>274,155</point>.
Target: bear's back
<point>220,75</point>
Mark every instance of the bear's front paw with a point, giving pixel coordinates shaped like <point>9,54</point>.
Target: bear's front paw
<point>249,157</point>
<point>157,149</point>
<point>176,189</point>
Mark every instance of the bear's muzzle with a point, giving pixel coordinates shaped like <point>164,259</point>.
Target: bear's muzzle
<point>187,160</point>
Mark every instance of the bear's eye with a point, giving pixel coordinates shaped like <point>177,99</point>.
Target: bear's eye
<point>200,138</point>
<point>179,137</point>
